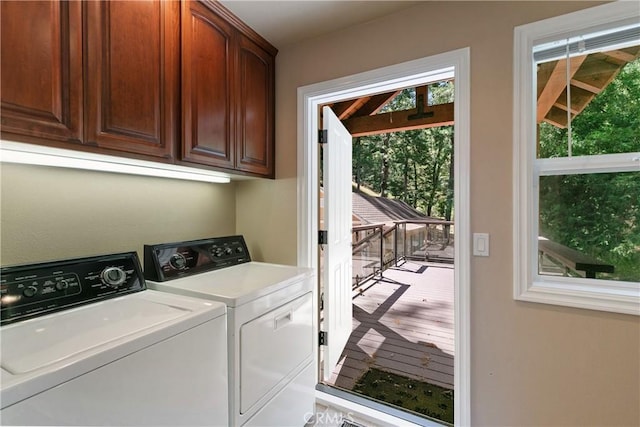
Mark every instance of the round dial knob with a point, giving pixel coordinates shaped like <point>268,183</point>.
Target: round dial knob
<point>113,276</point>
<point>228,251</point>
<point>30,291</point>
<point>178,262</point>
<point>239,249</point>
<point>62,285</point>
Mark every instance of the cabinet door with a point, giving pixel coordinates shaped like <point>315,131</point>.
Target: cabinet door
<point>255,109</point>
<point>133,76</point>
<point>41,70</point>
<point>207,69</point>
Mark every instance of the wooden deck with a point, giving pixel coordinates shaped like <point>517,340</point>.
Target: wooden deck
<point>402,324</point>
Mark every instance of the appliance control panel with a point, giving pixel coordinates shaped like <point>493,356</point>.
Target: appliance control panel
<point>37,289</point>
<point>172,260</point>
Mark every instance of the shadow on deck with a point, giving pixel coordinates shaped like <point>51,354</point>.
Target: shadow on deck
<point>402,323</point>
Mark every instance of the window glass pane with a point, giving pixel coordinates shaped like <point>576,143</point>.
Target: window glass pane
<point>589,226</point>
<point>604,99</point>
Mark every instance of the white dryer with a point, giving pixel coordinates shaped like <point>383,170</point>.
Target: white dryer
<point>84,343</point>
<point>270,314</point>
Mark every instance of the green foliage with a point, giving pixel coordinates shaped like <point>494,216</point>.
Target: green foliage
<point>598,214</point>
<point>413,166</point>
<point>427,399</point>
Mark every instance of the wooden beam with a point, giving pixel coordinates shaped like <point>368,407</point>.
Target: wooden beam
<point>397,121</point>
<point>346,109</point>
<point>595,74</point>
<point>580,98</point>
<point>586,86</point>
<point>375,103</point>
<point>424,91</point>
<point>556,85</point>
<point>621,55</point>
<point>563,106</point>
<point>557,117</point>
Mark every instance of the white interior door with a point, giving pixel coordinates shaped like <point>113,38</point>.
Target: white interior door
<point>336,255</point>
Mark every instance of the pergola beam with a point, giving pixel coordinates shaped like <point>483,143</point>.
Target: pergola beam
<point>556,84</point>
<point>397,121</point>
<point>346,109</point>
<point>375,103</point>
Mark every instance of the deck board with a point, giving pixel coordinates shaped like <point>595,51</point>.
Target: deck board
<point>402,324</point>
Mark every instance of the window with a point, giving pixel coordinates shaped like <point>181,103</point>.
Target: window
<point>577,159</point>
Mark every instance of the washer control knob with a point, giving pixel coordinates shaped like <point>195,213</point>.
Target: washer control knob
<point>113,276</point>
<point>239,249</point>
<point>178,261</point>
<point>30,291</point>
<point>228,251</point>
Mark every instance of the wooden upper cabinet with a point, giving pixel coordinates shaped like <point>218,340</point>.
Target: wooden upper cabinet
<point>255,109</point>
<point>207,81</point>
<point>132,76</point>
<point>171,81</point>
<point>227,91</point>
<point>41,69</point>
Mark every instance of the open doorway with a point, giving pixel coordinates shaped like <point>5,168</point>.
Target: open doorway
<point>401,347</point>
<point>396,77</point>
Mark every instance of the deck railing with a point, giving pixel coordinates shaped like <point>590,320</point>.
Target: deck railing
<point>376,247</point>
<point>558,260</point>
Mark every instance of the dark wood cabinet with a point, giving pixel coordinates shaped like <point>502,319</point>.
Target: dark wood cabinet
<point>178,82</point>
<point>255,109</point>
<point>132,76</point>
<point>41,70</point>
<point>207,80</point>
<point>228,91</point>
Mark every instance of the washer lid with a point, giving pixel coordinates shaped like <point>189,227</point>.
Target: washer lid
<point>41,353</point>
<point>41,342</point>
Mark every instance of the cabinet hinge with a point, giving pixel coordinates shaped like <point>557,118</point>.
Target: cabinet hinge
<point>323,237</point>
<point>323,136</point>
<point>322,338</point>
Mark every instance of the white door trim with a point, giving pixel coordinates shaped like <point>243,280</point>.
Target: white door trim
<point>386,79</point>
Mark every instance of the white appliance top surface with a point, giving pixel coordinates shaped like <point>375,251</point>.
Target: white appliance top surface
<point>43,352</point>
<point>236,285</point>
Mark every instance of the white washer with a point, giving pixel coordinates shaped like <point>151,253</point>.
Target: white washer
<point>122,355</point>
<point>270,318</point>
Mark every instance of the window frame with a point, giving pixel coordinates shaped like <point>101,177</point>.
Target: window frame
<point>529,285</point>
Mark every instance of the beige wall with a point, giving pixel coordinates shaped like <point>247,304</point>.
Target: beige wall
<point>532,364</point>
<point>266,215</point>
<point>53,213</point>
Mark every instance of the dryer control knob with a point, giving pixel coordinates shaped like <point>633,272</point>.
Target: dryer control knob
<point>178,261</point>
<point>113,276</point>
<point>30,291</point>
<point>62,285</point>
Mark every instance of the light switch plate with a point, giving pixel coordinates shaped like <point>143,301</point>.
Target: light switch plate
<point>481,244</point>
